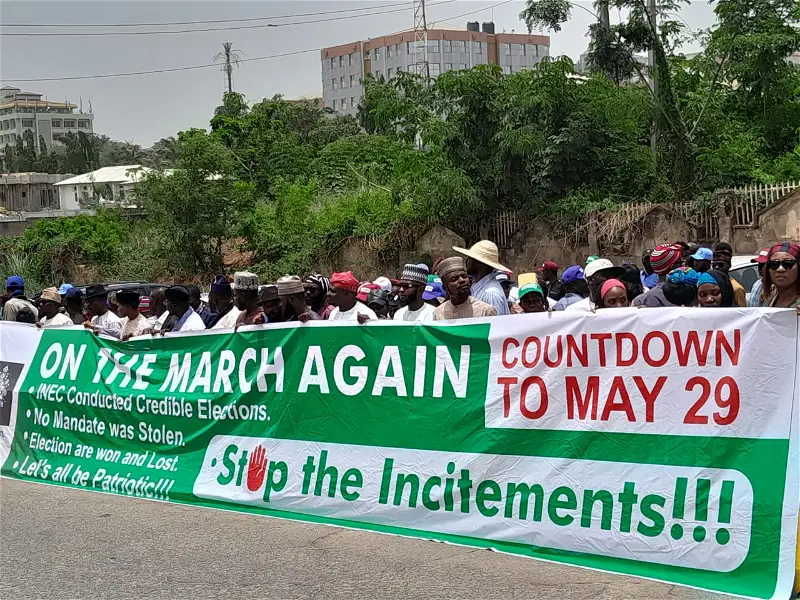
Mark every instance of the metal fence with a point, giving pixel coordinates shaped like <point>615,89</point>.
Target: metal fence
<point>750,199</point>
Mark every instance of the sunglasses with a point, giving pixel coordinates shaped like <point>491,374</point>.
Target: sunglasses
<point>787,264</point>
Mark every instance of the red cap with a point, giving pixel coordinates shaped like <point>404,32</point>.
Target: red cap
<point>346,281</point>
<point>548,265</point>
<point>762,257</point>
<point>365,289</point>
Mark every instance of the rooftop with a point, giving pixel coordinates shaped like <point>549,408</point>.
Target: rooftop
<point>120,174</point>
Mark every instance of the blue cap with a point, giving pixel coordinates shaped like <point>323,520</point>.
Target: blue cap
<point>572,274</point>
<point>433,290</point>
<point>15,282</point>
<point>74,293</point>
<point>703,254</point>
<point>65,287</point>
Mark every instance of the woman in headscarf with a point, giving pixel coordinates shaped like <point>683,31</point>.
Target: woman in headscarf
<point>714,290</point>
<point>782,273</point>
<point>614,294</point>
<point>680,289</point>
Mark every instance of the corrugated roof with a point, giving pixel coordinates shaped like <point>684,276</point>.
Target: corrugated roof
<point>120,174</point>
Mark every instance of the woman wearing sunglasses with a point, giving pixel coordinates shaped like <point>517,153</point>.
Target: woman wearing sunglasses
<point>781,275</point>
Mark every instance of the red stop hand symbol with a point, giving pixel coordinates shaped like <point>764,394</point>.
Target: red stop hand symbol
<point>256,469</point>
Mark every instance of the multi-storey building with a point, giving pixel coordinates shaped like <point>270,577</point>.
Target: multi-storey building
<point>344,67</point>
<point>47,120</point>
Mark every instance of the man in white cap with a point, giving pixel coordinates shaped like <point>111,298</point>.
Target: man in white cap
<point>483,260</point>
<point>595,274</point>
<point>412,286</point>
<point>245,294</point>
<point>293,300</point>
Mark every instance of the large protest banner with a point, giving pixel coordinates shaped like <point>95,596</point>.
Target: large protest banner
<point>655,443</point>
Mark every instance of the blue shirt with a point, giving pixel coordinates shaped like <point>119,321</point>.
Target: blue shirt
<point>648,281</point>
<point>567,300</point>
<point>755,294</point>
<point>490,291</point>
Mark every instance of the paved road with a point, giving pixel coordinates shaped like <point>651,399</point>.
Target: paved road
<point>63,543</point>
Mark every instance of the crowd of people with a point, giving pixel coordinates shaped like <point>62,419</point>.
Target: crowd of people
<point>472,283</point>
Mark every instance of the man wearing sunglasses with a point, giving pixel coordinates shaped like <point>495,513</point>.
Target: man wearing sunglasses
<point>723,253</point>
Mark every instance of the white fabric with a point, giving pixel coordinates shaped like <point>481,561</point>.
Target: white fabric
<point>551,302</point>
<point>352,314</point>
<point>228,320</point>
<point>108,324</point>
<point>194,322</point>
<point>583,306</point>
<point>156,323</point>
<point>423,314</point>
<point>60,320</point>
<point>133,328</point>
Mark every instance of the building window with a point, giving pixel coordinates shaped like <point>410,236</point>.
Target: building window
<point>507,69</point>
<point>334,104</point>
<point>350,59</point>
<point>352,81</point>
<point>335,84</point>
<point>341,61</point>
<point>27,122</point>
<point>459,46</point>
<point>448,67</point>
<point>531,50</point>
<point>57,123</point>
<point>462,66</point>
<point>377,53</point>
<point>435,69</point>
<point>506,49</point>
<point>341,82</point>
<point>447,46</point>
<point>83,124</point>
<point>389,72</point>
<point>352,102</point>
<point>433,45</point>
<point>478,47</point>
<point>333,63</point>
<point>69,123</point>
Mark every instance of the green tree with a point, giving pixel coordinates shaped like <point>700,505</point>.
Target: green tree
<point>198,206</point>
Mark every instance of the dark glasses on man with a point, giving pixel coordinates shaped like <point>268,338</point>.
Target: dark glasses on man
<point>787,264</point>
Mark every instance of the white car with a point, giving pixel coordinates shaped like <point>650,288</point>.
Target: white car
<point>744,269</point>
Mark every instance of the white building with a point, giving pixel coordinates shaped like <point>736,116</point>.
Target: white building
<point>106,185</point>
<point>26,111</point>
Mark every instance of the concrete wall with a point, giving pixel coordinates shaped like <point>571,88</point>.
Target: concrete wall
<point>530,247</point>
<point>779,222</point>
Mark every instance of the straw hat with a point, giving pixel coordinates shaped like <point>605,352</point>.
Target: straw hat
<point>485,252</point>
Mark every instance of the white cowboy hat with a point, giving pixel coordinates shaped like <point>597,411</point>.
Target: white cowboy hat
<point>485,252</point>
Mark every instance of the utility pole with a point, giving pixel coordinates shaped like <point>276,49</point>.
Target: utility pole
<point>651,63</point>
<point>420,64</point>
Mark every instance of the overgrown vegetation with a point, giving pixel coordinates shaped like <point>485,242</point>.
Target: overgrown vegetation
<point>286,183</point>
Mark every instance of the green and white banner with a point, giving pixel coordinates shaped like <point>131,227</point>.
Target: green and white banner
<point>655,443</point>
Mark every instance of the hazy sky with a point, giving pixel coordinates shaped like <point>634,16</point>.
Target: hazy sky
<point>145,108</point>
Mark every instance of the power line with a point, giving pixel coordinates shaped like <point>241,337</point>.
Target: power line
<point>172,70</point>
<point>206,29</point>
<point>314,14</point>
<point>212,65</point>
